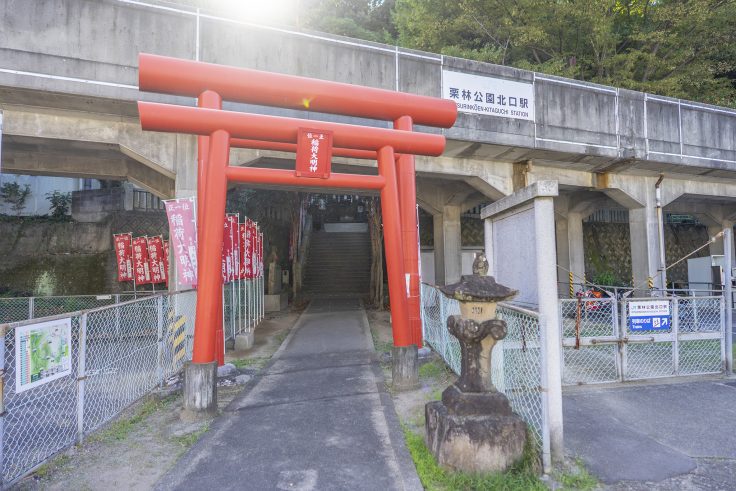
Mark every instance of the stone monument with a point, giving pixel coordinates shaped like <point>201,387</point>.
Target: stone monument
<point>473,428</point>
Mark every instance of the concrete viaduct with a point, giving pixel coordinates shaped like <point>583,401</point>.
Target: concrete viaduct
<point>68,72</point>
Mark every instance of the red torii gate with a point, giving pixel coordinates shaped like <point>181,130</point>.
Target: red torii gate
<point>219,130</point>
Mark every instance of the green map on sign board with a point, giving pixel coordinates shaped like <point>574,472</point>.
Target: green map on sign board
<point>48,350</point>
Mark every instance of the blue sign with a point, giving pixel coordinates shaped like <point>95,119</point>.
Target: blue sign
<point>650,315</point>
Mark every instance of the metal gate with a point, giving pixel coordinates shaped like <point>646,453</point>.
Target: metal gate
<point>599,344</point>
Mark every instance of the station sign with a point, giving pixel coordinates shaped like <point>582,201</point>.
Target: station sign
<point>650,315</point>
<point>477,94</point>
<point>313,153</point>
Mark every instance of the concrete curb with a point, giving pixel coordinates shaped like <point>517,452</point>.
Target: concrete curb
<point>408,473</point>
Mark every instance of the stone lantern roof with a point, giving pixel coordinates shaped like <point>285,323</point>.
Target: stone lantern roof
<point>475,288</point>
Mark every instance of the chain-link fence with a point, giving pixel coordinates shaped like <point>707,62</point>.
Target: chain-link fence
<point>243,307</point>
<point>109,358</point>
<point>601,343</point>
<point>517,360</point>
<point>16,309</point>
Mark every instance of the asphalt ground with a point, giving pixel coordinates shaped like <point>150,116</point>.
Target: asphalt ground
<point>318,417</point>
<point>656,436</point>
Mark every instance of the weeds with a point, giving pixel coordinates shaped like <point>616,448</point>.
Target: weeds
<point>578,479</point>
<point>120,429</point>
<point>522,476</point>
<point>256,362</point>
<point>433,369</point>
<point>190,439</point>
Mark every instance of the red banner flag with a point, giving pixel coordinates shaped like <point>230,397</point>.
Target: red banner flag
<point>234,218</point>
<point>227,249</point>
<point>166,261</point>
<point>259,252</point>
<point>124,256</point>
<point>243,248</point>
<point>249,243</point>
<point>141,268</point>
<point>183,237</point>
<point>156,259</point>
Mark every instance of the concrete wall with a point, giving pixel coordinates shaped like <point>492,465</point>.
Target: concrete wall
<point>82,48</point>
<point>607,249</point>
<point>69,258</point>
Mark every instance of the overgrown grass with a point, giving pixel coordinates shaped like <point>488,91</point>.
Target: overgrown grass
<point>255,362</point>
<point>578,479</point>
<point>434,369</point>
<point>120,429</point>
<point>49,468</point>
<point>522,477</point>
<point>380,346</point>
<point>190,439</point>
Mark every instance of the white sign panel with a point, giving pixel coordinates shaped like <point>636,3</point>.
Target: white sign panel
<point>42,353</point>
<point>486,95</point>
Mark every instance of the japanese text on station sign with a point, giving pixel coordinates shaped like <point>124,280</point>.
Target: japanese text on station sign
<point>183,238</point>
<point>649,315</point>
<point>487,95</point>
<point>314,153</point>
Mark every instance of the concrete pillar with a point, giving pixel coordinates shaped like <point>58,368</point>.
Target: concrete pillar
<point>404,367</point>
<point>563,249</point>
<point>644,245</point>
<point>200,390</point>
<point>576,248</point>
<point>447,245</point>
<point>716,248</point>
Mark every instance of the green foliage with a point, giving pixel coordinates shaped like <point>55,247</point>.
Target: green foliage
<point>363,19</point>
<point>578,479</point>
<point>121,428</point>
<point>433,369</point>
<point>523,476</point>
<point>60,204</point>
<point>256,362</point>
<point>606,278</point>
<point>15,195</point>
<point>190,439</point>
<point>673,48</point>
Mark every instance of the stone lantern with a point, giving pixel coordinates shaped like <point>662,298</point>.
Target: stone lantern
<point>472,428</point>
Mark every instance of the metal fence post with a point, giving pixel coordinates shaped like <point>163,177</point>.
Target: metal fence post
<point>81,376</point>
<point>160,342</point>
<point>2,410</point>
<point>676,335</point>
<point>728,294</point>
<point>622,345</point>
<point>31,308</point>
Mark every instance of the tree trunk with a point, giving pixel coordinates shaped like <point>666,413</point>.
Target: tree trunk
<point>376,233</point>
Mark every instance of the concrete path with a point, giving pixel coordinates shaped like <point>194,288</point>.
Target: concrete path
<point>656,437</point>
<point>317,418</point>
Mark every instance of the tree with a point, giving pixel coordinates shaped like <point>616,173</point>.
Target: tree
<point>15,195</point>
<point>60,203</point>
<point>363,19</point>
<point>677,48</point>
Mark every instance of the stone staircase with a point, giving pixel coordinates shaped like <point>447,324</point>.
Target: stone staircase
<point>338,264</point>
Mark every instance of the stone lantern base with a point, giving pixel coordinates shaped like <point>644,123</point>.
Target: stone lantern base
<point>474,432</point>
